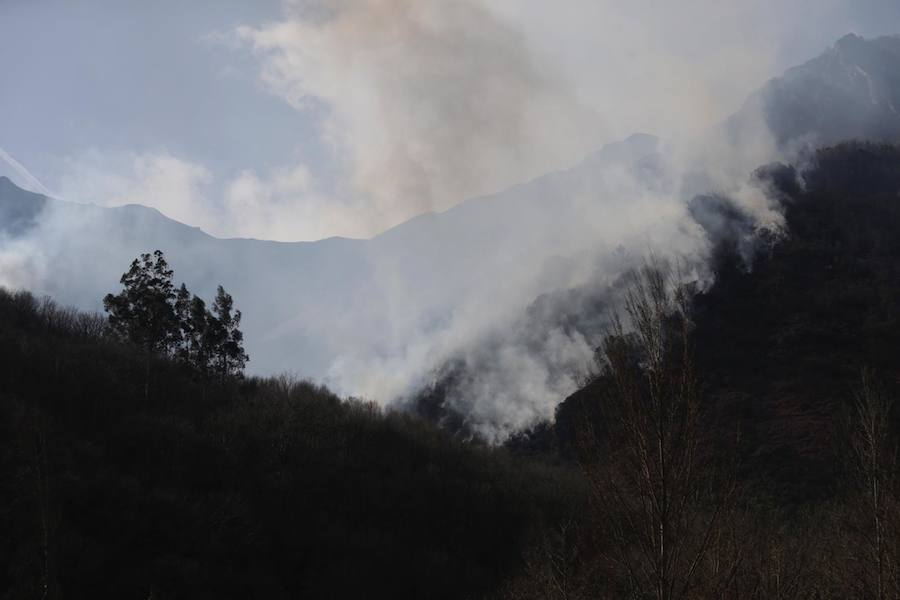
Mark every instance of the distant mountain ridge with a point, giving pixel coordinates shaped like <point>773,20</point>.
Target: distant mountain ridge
<point>301,279</point>
<point>19,209</point>
<point>365,309</point>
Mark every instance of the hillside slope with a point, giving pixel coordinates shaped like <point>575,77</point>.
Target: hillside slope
<point>242,489</point>
<point>780,348</point>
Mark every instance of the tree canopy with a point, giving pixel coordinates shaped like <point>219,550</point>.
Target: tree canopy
<point>154,315</point>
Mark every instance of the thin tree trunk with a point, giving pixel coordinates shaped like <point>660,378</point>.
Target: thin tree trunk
<point>47,585</point>
<point>147,379</point>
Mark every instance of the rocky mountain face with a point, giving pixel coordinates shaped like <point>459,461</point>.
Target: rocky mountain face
<point>852,91</point>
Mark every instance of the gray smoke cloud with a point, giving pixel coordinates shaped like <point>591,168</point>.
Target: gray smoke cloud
<point>521,336</point>
<point>424,104</point>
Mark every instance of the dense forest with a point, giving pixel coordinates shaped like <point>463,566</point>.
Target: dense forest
<point>231,488</point>
<point>737,442</point>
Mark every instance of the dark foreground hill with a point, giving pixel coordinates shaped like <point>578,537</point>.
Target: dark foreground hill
<point>745,445</point>
<point>242,489</point>
<point>783,345</point>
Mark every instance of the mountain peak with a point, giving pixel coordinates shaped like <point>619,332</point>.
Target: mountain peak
<point>849,92</point>
<point>848,41</point>
<point>631,149</point>
<point>10,189</point>
<point>643,141</point>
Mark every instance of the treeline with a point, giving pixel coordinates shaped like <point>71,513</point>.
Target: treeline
<point>237,488</point>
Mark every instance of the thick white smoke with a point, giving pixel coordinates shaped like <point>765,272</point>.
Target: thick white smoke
<point>504,311</point>
<point>424,104</point>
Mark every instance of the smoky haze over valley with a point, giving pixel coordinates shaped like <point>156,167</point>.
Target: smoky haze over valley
<point>478,188</point>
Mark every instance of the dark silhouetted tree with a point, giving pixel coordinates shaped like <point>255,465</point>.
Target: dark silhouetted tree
<point>873,457</point>
<point>200,343</point>
<point>160,319</point>
<point>661,506</point>
<point>144,311</point>
<point>229,357</point>
<point>183,316</point>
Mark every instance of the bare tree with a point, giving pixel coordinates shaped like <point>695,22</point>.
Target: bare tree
<point>873,455</point>
<point>659,501</point>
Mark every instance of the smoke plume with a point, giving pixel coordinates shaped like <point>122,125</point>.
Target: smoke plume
<point>500,298</point>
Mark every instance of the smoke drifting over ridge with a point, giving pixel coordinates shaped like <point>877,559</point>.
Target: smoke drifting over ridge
<point>424,104</point>
<point>521,336</point>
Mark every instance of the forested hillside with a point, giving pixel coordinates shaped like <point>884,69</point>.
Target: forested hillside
<point>767,400</point>
<point>782,396</point>
<point>783,346</point>
<point>780,345</point>
<point>257,488</point>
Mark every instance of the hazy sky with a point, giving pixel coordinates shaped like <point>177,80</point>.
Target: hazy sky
<point>304,119</point>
